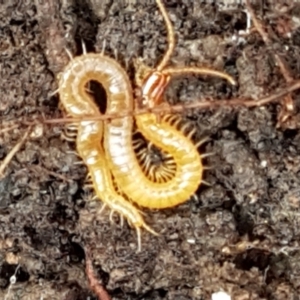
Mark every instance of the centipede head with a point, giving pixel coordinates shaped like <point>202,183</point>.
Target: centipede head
<point>153,88</point>
<point>152,83</point>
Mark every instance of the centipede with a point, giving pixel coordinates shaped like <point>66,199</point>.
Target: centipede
<point>107,147</point>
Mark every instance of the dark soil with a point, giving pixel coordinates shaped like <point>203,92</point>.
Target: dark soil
<point>240,235</point>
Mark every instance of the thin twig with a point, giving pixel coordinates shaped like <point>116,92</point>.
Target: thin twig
<point>95,286</point>
<point>257,24</point>
<point>288,100</point>
<point>7,129</point>
<point>181,107</point>
<point>12,152</point>
<point>54,174</point>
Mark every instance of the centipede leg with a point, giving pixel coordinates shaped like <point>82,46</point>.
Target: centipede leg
<point>205,168</point>
<point>88,177</point>
<point>102,207</point>
<point>116,53</point>
<point>111,214</point>
<point>205,183</point>
<point>79,163</point>
<point>83,47</point>
<point>201,142</point>
<point>122,221</point>
<point>68,137</point>
<point>139,239</point>
<point>88,186</point>
<point>73,153</point>
<point>54,93</point>
<point>112,220</point>
<point>69,53</point>
<point>149,229</point>
<point>103,47</point>
<point>207,154</point>
<point>70,132</point>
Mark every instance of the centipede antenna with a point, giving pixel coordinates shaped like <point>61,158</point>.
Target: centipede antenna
<point>69,53</point>
<point>83,47</point>
<point>198,71</point>
<point>170,37</point>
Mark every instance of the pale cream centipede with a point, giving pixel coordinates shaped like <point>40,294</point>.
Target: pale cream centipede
<point>114,161</point>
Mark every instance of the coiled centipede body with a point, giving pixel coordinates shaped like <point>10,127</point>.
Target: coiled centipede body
<point>114,161</point>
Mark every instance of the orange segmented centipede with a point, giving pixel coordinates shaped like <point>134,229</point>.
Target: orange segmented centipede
<point>77,103</point>
<point>174,187</point>
<point>171,185</point>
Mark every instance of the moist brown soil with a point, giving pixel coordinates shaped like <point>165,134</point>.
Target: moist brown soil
<point>240,235</point>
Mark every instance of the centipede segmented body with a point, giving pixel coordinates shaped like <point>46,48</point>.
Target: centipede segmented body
<point>107,148</point>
